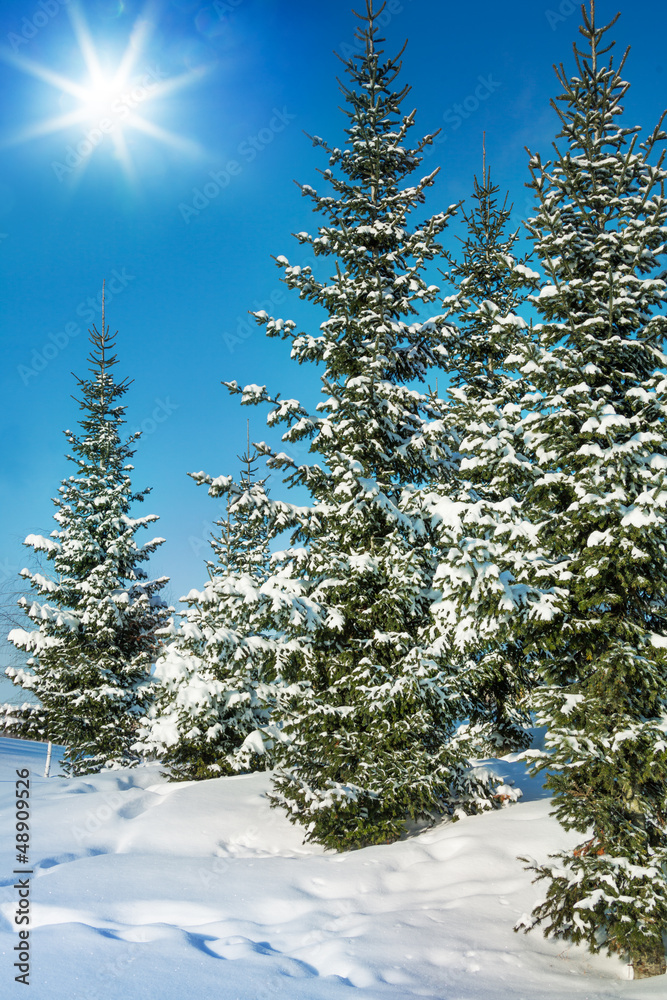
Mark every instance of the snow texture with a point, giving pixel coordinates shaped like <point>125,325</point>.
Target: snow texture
<point>144,889</point>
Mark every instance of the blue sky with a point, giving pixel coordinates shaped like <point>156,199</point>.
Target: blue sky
<point>183,223</point>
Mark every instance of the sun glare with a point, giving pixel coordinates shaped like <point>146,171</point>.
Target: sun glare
<point>106,104</point>
<point>100,96</point>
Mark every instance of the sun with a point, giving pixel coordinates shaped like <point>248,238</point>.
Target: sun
<point>107,103</point>
<point>101,97</point>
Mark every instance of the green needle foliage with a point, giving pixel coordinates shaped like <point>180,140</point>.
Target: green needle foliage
<point>94,642</point>
<point>597,436</point>
<point>484,546</point>
<point>372,726</point>
<point>217,674</point>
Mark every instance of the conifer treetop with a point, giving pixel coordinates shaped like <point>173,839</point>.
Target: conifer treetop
<point>360,553</point>
<point>102,359</point>
<point>95,626</point>
<point>371,343</point>
<point>600,226</point>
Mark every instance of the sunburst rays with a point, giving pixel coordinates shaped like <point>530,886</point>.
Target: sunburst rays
<point>107,102</point>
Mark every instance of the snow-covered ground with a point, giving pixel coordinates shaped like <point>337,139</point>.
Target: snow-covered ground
<point>146,889</point>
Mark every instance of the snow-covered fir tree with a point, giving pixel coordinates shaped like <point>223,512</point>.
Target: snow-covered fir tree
<point>597,434</point>
<point>479,528</point>
<point>373,731</point>
<point>95,616</point>
<point>213,711</point>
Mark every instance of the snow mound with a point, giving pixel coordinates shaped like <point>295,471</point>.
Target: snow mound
<point>150,889</point>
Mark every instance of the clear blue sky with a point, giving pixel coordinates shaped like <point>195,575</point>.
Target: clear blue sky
<point>224,89</point>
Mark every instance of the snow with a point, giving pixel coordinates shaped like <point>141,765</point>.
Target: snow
<point>570,702</point>
<point>40,543</point>
<point>527,272</point>
<point>637,517</point>
<point>150,889</point>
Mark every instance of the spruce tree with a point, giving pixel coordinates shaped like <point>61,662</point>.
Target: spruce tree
<point>215,708</point>
<point>597,436</point>
<point>482,541</point>
<point>97,613</point>
<point>372,731</point>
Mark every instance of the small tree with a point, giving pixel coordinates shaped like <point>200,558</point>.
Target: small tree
<point>218,674</point>
<point>597,436</point>
<point>98,613</point>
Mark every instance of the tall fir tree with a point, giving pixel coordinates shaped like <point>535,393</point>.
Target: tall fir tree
<point>372,732</point>
<point>481,537</point>
<point>215,708</point>
<point>97,614</point>
<point>597,436</point>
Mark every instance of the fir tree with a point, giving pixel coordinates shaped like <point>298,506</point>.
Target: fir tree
<point>98,613</point>
<point>213,712</point>
<point>372,732</point>
<point>478,524</point>
<point>597,436</point>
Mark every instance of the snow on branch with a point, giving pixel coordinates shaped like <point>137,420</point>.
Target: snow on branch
<point>42,544</point>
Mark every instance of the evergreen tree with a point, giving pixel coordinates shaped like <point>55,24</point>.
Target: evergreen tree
<point>213,712</point>
<point>372,731</point>
<point>97,614</point>
<point>597,436</point>
<point>482,541</point>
